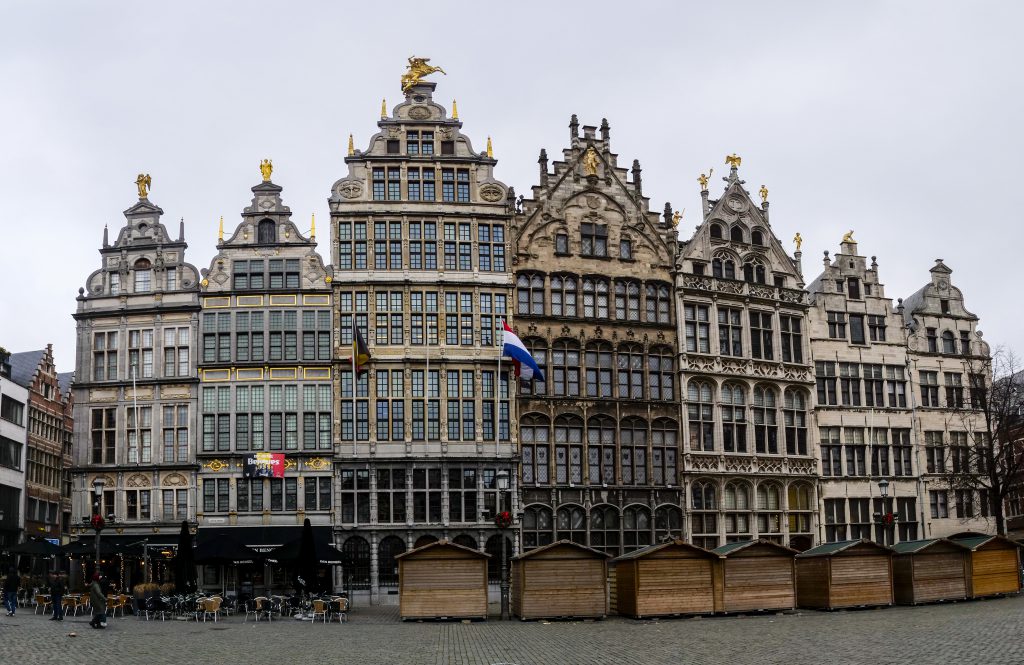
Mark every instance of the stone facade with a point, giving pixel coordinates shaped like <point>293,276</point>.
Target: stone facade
<point>419,247</point>
<point>749,468</point>
<point>135,383</point>
<point>13,439</point>
<point>265,375</point>
<point>599,437</point>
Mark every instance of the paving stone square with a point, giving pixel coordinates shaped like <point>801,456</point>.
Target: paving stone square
<point>987,631</point>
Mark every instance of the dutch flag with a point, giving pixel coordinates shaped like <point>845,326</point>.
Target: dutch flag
<point>513,347</point>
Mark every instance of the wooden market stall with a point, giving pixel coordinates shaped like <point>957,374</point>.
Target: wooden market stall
<point>925,571</point>
<point>562,579</point>
<point>755,575</point>
<point>442,580</point>
<point>670,578</point>
<point>850,573</point>
<point>993,566</point>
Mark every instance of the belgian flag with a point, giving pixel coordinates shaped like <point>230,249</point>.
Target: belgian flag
<point>360,352</point>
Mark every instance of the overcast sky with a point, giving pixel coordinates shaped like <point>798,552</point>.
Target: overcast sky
<point>899,120</point>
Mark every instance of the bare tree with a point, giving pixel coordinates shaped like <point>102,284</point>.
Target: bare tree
<point>993,463</point>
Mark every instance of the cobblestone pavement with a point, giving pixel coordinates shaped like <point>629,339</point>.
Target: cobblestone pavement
<point>970,632</point>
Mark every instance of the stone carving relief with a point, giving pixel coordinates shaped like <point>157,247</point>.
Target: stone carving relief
<point>350,190</point>
<point>419,113</point>
<point>491,193</point>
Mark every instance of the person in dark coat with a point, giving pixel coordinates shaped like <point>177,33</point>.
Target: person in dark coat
<point>57,596</point>
<point>99,603</point>
<point>11,584</point>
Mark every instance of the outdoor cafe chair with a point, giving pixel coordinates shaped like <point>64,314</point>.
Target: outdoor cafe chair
<point>42,601</point>
<point>211,607</point>
<point>157,605</point>
<point>256,607</point>
<point>339,609</point>
<point>319,610</point>
<point>70,605</point>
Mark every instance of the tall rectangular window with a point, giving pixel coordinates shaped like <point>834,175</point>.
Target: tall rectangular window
<point>104,435</point>
<point>792,339</point>
<point>761,335</point>
<point>836,325</point>
<point>176,350</point>
<point>593,239</point>
<point>140,353</point>
<point>849,383</point>
<point>104,356</point>
<point>857,329</point>
<point>929,388</point>
<point>876,328</point>
<point>698,337</point>
<point>730,332</point>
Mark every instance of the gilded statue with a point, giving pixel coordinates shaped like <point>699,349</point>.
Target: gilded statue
<point>848,237</point>
<point>676,217</point>
<point>143,182</point>
<point>703,180</point>
<point>764,194</point>
<point>266,168</point>
<point>733,160</point>
<point>590,161</point>
<point>418,68</point>
<point>798,241</point>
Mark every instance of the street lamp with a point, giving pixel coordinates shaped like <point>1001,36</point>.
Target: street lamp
<point>885,519</point>
<point>503,520</point>
<point>97,515</point>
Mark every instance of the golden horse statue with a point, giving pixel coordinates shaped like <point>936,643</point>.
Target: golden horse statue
<point>418,68</point>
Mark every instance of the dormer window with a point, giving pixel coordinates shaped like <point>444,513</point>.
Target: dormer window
<point>736,234</point>
<point>266,232</point>
<point>419,143</point>
<point>626,249</point>
<point>143,276</point>
<point>723,268</point>
<point>593,239</point>
<point>853,288</point>
<point>933,340</point>
<point>716,231</point>
<point>948,343</point>
<point>944,305</point>
<point>757,238</point>
<point>561,243</point>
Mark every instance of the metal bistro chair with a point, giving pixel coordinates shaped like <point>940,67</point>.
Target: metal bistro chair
<point>42,601</point>
<point>70,605</point>
<point>319,610</point>
<point>157,605</point>
<point>255,607</point>
<point>339,608</point>
<point>211,607</point>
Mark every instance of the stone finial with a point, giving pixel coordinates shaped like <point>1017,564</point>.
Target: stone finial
<point>826,261</point>
<point>490,149</point>
<point>455,110</point>
<point>351,145</point>
<point>106,236</point>
<point>637,182</point>
<point>383,109</point>
<point>668,213</point>
<point>181,230</point>
<point>899,305</point>
<point>605,130</point>
<point>574,128</point>
<point>874,263</point>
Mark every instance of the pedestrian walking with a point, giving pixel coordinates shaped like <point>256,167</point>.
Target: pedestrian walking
<point>99,602</point>
<point>11,584</point>
<point>57,596</point>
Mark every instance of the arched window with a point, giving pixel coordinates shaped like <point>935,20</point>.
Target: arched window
<point>737,512</point>
<point>766,431</point>
<point>604,529</point>
<point>530,294</point>
<point>657,305</point>
<point>716,231</point>
<point>568,449</point>
<point>948,342</point>
<point>563,295</point>
<point>599,369</point>
<point>533,438</point>
<point>794,415</point>
<point>493,547</point>
<point>754,272</point>
<point>633,439</point>
<point>631,372</point>
<point>601,450</point>
<point>769,512</point>
<point>358,552</point>
<point>660,375</point>
<point>799,505</point>
<point>538,348</point>
<point>425,540</point>
<point>565,369</point>
<point>536,527</point>
<point>627,300</point>
<point>595,298</point>
<point>571,524</point>
<point>266,232</point>
<point>636,528</point>
<point>466,540</point>
<point>722,267</point>
<point>704,502</point>
<point>757,237</point>
<point>664,451</point>
<point>387,566</point>
<point>734,419</point>
<point>736,233</point>
<point>143,270</point>
<point>699,410</point>
<point>668,523</point>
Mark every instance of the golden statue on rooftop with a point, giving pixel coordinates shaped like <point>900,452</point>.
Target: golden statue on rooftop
<point>798,241</point>
<point>418,68</point>
<point>733,160</point>
<point>677,216</point>
<point>848,237</point>
<point>266,168</point>
<point>143,182</point>
<point>764,194</point>
<point>703,180</point>
<point>590,161</point>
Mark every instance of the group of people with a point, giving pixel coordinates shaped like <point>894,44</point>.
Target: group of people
<point>58,588</point>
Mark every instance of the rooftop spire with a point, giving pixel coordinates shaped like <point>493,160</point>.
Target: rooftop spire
<point>455,110</point>
<point>181,230</point>
<point>605,130</point>
<point>351,146</point>
<point>383,109</point>
<point>312,230</point>
<point>490,150</point>
<point>220,230</point>
<point>106,238</point>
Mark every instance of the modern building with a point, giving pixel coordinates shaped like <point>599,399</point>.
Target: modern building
<point>419,246</point>
<point>265,444</point>
<point>48,453</point>
<point>599,436</point>
<point>748,451</point>
<point>13,442</point>
<point>135,384</point>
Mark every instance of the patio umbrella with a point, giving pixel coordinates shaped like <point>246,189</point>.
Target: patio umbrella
<point>185,579</point>
<point>35,548</point>
<point>223,552</point>
<point>305,574</point>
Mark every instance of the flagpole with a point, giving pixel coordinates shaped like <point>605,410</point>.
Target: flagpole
<point>497,396</point>
<point>355,350</point>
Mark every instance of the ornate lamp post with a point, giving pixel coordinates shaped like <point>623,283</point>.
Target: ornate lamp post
<point>888,519</point>
<point>97,521</point>
<point>503,520</point>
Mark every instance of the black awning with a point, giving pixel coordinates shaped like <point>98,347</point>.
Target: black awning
<point>122,543</point>
<point>261,538</point>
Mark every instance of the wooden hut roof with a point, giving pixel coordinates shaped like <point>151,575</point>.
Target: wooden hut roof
<point>732,548</point>
<point>651,549</point>
<point>831,549</point>
<point>915,546</point>
<point>976,542</point>
<point>444,543</point>
<point>562,543</point>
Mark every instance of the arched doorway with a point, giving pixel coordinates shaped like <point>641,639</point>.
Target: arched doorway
<point>493,547</point>
<point>387,567</point>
